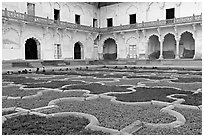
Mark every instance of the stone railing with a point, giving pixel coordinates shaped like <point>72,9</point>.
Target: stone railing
<point>63,24</point>
<point>143,25</point>
<point>46,21</point>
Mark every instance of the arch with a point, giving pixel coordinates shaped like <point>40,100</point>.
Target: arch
<point>78,50</point>
<point>57,38</point>
<point>169,46</point>
<point>187,45</point>
<point>131,40</point>
<point>131,9</point>
<point>153,50</point>
<point>66,41</point>
<point>153,7</point>
<point>187,30</point>
<point>56,6</point>
<point>65,13</point>
<point>78,9</point>
<point>32,49</point>
<point>11,39</point>
<point>49,42</point>
<point>109,49</point>
<point>156,34</point>
<point>47,8</point>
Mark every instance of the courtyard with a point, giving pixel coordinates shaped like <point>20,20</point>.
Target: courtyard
<point>102,101</point>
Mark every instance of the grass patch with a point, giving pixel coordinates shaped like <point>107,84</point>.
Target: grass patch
<point>14,91</point>
<point>8,112</point>
<point>39,101</point>
<point>35,125</point>
<point>193,125</point>
<point>187,80</point>
<point>96,88</point>
<point>144,94</point>
<point>117,116</point>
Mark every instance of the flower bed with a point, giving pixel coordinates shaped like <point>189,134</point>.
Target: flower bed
<point>187,80</point>
<point>20,79</point>
<point>193,125</point>
<point>39,101</point>
<point>53,84</point>
<point>193,99</point>
<point>35,125</point>
<point>185,86</point>
<point>14,91</point>
<point>96,88</point>
<point>117,116</point>
<point>8,112</point>
<point>143,94</point>
<point>150,77</point>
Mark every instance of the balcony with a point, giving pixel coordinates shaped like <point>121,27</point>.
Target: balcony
<point>45,21</point>
<point>62,24</point>
<point>154,24</point>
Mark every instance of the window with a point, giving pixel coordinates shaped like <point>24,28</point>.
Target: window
<point>170,13</point>
<point>31,9</point>
<point>132,51</point>
<point>56,14</point>
<point>58,53</point>
<point>77,19</point>
<point>109,22</point>
<point>132,18</point>
<point>94,23</point>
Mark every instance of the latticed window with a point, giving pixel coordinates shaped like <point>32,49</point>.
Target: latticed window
<point>58,52</point>
<point>31,9</point>
<point>132,51</point>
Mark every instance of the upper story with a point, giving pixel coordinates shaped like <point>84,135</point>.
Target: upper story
<point>138,12</point>
<point>115,17</point>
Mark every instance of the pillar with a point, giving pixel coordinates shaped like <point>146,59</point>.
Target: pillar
<point>161,40</point>
<point>177,47</point>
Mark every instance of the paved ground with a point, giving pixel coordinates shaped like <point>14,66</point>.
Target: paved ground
<point>16,69</point>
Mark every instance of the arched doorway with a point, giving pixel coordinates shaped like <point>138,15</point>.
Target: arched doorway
<point>32,49</point>
<point>153,47</point>
<point>78,50</point>
<point>187,45</point>
<point>169,46</point>
<point>110,49</point>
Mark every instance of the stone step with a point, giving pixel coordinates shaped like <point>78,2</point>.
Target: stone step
<point>35,64</point>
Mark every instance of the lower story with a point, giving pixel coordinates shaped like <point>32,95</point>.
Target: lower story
<point>32,42</point>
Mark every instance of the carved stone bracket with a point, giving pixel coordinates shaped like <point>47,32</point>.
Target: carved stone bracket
<point>45,30</point>
<point>159,30</point>
<point>144,32</point>
<point>115,35</point>
<point>123,35</point>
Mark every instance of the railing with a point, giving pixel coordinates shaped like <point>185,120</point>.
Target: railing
<point>189,19</point>
<point>63,24</point>
<point>45,21</point>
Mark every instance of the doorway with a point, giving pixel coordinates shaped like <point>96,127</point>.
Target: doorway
<point>32,49</point>
<point>77,51</point>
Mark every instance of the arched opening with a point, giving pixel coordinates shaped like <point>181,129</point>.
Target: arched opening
<point>187,45</point>
<point>153,47</point>
<point>169,47</point>
<point>32,49</point>
<point>110,49</point>
<point>78,50</point>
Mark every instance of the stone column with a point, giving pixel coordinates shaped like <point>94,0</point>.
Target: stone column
<point>161,40</point>
<point>177,47</point>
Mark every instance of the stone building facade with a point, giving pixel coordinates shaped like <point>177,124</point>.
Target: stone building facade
<point>83,31</point>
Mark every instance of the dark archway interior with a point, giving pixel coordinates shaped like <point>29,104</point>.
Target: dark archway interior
<point>110,49</point>
<point>31,51</point>
<point>77,51</point>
